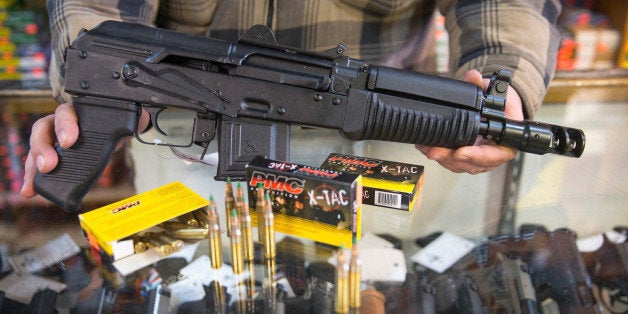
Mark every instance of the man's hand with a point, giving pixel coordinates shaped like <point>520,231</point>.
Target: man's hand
<point>484,155</point>
<point>60,127</point>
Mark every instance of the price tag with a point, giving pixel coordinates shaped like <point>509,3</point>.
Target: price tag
<point>615,236</point>
<point>370,240</point>
<point>201,269</point>
<point>185,290</point>
<point>443,252</point>
<point>22,287</point>
<point>53,252</point>
<point>590,243</point>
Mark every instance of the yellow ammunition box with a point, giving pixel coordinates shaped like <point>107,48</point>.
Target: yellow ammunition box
<point>110,229</point>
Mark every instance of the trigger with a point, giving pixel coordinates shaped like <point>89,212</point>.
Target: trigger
<point>154,114</point>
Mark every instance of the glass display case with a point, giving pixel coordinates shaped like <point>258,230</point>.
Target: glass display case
<point>573,210</point>
<point>540,234</point>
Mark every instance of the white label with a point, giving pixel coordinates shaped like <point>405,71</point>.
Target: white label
<point>590,243</point>
<point>137,261</point>
<point>595,242</point>
<point>122,249</point>
<point>45,256</point>
<point>185,290</point>
<point>387,199</point>
<point>380,264</point>
<point>22,287</point>
<point>615,236</point>
<point>371,240</point>
<point>200,268</point>
<point>443,252</point>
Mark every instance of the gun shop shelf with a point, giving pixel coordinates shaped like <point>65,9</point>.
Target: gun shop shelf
<point>598,86</point>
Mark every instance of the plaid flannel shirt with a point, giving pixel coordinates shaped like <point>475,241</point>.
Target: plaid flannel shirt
<point>485,35</point>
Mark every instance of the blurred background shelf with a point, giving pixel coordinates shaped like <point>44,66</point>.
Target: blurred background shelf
<point>602,85</point>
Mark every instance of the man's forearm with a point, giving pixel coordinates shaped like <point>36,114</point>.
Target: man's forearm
<point>517,35</point>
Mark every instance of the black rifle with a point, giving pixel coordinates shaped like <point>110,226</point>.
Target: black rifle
<point>251,91</point>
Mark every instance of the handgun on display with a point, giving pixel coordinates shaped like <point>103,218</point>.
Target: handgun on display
<point>608,267</point>
<point>248,93</point>
<point>555,265</point>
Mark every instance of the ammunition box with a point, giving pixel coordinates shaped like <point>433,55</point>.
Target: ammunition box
<point>111,229</point>
<point>385,183</point>
<point>308,202</point>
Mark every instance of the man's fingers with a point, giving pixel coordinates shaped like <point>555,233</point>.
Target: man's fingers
<point>42,143</point>
<point>60,127</point>
<point>144,121</point>
<point>485,155</point>
<point>460,167</point>
<point>66,125</point>
<point>470,159</point>
<point>439,153</point>
<point>30,170</point>
<point>42,156</point>
<point>475,77</point>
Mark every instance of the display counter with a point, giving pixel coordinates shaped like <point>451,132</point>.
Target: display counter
<point>535,223</point>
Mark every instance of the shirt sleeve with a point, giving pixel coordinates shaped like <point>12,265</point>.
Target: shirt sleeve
<point>520,36</point>
<point>68,17</point>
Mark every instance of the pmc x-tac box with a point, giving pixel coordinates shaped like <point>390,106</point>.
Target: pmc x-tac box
<point>309,202</point>
<point>386,183</point>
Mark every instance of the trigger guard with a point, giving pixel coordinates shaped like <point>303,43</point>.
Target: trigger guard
<point>153,113</point>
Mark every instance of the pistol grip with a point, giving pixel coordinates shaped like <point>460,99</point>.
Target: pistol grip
<point>102,124</point>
